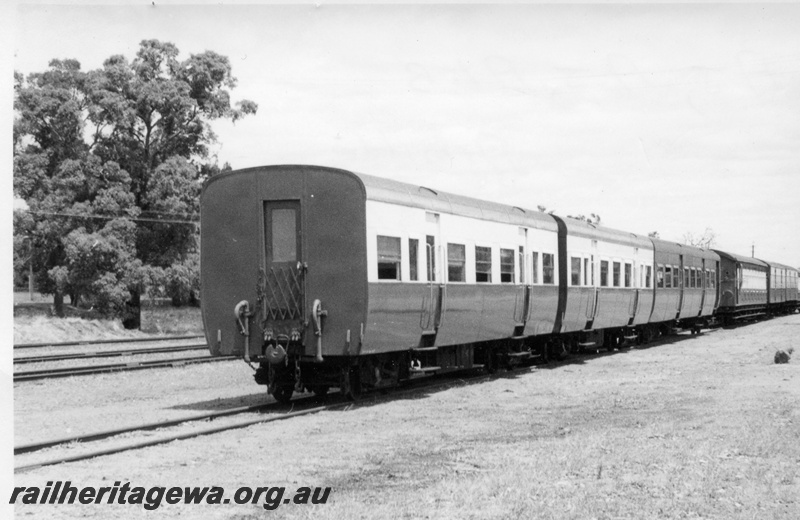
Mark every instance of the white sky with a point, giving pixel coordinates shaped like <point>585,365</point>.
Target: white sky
<point>671,118</point>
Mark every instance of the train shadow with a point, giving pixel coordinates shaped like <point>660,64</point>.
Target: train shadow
<point>225,403</point>
<point>587,356</point>
<point>423,388</point>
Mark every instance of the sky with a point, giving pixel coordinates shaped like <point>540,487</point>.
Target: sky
<point>669,118</point>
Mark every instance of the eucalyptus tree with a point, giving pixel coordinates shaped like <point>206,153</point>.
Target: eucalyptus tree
<point>110,163</point>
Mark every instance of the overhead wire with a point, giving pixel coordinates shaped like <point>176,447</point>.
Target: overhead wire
<point>112,217</point>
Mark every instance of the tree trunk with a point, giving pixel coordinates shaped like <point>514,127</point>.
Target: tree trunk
<point>133,312</point>
<point>58,304</point>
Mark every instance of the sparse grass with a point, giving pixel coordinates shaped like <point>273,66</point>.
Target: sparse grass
<point>172,320</point>
<point>669,432</point>
<point>162,320</point>
<point>704,427</point>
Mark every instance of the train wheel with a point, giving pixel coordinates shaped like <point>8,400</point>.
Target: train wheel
<point>560,350</point>
<point>491,363</point>
<point>351,383</point>
<point>611,341</point>
<point>283,394</point>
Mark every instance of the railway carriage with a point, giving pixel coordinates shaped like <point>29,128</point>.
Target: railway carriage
<point>743,287</point>
<point>609,282</point>
<point>782,288</point>
<point>685,284</point>
<point>320,277</point>
<point>329,278</point>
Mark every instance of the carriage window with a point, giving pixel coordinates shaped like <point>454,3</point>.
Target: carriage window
<point>413,258</point>
<point>456,261</point>
<point>647,276</point>
<point>660,276</point>
<point>713,279</point>
<point>628,275</point>
<point>388,258</point>
<point>548,268</point>
<point>483,264</point>
<point>507,265</point>
<point>604,273</point>
<point>521,264</point>
<point>430,257</point>
<point>616,274</point>
<point>708,279</point>
<point>576,272</point>
<point>668,277</point>
<point>284,235</point>
<point>535,262</point>
<point>585,271</point>
<point>686,277</point>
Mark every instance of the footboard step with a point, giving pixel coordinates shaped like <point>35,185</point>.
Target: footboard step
<point>424,370</point>
<point>519,354</point>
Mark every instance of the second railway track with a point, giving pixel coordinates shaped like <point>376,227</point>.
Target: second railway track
<point>31,375</point>
<point>110,353</point>
<point>103,341</point>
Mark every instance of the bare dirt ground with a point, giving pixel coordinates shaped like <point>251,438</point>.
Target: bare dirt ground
<point>700,427</point>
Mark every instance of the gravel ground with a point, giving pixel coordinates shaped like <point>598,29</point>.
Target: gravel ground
<point>703,427</point>
<point>55,408</point>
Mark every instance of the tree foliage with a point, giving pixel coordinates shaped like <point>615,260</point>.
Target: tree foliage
<point>706,240</point>
<point>593,218</point>
<point>110,163</point>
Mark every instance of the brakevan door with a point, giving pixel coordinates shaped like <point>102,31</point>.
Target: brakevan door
<point>283,305</point>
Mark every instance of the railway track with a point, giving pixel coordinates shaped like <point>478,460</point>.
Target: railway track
<point>51,373</point>
<point>102,341</point>
<point>37,446</point>
<point>110,353</point>
<point>175,437</point>
<point>307,405</point>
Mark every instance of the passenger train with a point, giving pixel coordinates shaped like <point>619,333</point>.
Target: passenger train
<point>320,277</point>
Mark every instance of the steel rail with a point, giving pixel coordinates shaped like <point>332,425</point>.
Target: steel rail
<point>101,341</point>
<point>119,367</point>
<point>420,385</point>
<point>171,438</point>
<point>104,434</point>
<point>110,353</point>
<point>373,399</point>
